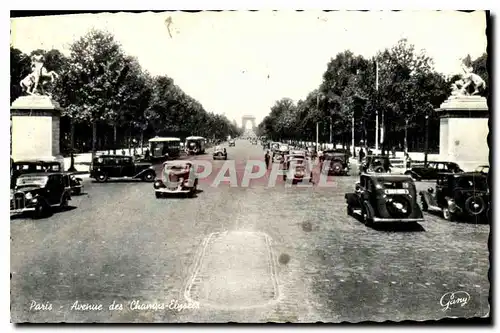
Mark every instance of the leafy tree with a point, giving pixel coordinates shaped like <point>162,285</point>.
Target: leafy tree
<point>20,66</point>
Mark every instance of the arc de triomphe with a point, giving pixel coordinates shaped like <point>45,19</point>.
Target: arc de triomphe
<point>245,119</point>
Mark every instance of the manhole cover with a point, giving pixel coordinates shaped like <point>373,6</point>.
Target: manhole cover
<point>234,270</point>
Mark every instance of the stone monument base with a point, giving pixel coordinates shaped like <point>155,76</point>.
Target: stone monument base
<point>464,131</point>
<point>35,128</point>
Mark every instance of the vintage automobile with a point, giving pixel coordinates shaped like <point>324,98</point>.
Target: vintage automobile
<point>375,164</point>
<point>37,166</point>
<point>220,153</point>
<point>384,198</point>
<point>195,145</point>
<point>177,177</point>
<point>464,195</point>
<point>298,170</point>
<point>39,193</point>
<point>119,166</point>
<point>335,162</point>
<point>293,155</point>
<point>432,169</point>
<point>232,143</point>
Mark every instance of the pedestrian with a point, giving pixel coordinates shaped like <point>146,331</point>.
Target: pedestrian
<point>267,157</point>
<point>393,151</point>
<point>361,154</point>
<point>408,160</point>
<point>370,152</point>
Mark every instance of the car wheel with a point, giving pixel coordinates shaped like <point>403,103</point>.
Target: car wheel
<point>284,177</point>
<point>101,177</point>
<point>425,206</point>
<point>41,210</point>
<point>64,201</point>
<point>349,210</point>
<point>337,168</point>
<point>366,219</point>
<point>149,177</point>
<point>447,215</point>
<point>158,195</point>
<point>379,169</point>
<point>77,191</point>
<point>192,193</point>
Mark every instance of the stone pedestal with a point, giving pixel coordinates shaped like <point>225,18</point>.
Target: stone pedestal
<point>464,131</point>
<point>35,128</point>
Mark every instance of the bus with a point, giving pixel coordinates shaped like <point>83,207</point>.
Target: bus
<point>195,145</point>
<point>163,148</point>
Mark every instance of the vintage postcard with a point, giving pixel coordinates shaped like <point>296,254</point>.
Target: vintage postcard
<point>249,167</point>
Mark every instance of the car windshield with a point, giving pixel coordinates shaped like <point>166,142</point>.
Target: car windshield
<point>32,180</point>
<point>471,182</point>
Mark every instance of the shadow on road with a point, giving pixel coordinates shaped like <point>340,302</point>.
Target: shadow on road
<point>398,226</point>
<point>393,226</point>
<point>181,195</point>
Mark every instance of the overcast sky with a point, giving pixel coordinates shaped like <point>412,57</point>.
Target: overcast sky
<point>238,63</point>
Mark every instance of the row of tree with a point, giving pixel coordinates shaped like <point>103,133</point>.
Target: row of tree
<point>109,100</point>
<point>409,90</point>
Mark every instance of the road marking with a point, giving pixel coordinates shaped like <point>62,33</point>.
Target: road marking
<point>79,242</point>
<point>461,285</point>
<point>341,280</point>
<point>91,274</point>
<point>410,282</point>
<point>427,284</point>
<point>103,242</point>
<point>375,281</point>
<point>358,281</point>
<point>445,285</point>
<point>393,282</point>
<point>138,275</point>
<point>44,273</point>
<point>477,286</point>
<point>61,273</point>
<point>154,275</point>
<point>122,275</point>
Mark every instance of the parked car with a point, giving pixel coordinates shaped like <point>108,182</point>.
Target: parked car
<point>432,169</point>
<point>37,166</point>
<point>298,170</point>
<point>232,143</point>
<point>177,177</point>
<point>375,164</point>
<point>464,195</point>
<point>384,198</point>
<point>39,193</point>
<point>119,166</point>
<point>335,162</point>
<point>220,153</point>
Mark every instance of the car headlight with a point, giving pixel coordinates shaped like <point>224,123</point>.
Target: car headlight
<point>29,196</point>
<point>378,186</point>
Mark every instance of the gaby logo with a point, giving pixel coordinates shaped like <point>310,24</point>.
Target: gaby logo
<point>454,299</point>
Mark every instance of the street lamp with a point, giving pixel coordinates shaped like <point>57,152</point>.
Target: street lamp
<point>406,135</point>
<point>426,148</point>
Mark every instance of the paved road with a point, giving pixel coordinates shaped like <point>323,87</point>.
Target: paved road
<point>254,254</point>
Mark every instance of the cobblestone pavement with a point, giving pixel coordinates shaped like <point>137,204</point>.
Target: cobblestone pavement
<point>257,254</point>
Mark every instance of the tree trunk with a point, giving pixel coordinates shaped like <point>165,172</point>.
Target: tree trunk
<point>72,145</point>
<point>114,138</point>
<point>130,139</point>
<point>142,141</point>
<point>94,138</point>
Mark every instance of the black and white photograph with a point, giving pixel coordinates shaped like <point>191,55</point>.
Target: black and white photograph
<point>268,166</point>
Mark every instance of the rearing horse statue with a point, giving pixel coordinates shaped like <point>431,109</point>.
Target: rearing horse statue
<point>460,86</point>
<point>33,83</point>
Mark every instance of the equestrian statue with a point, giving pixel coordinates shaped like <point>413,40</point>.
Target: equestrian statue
<point>468,79</point>
<point>35,82</point>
